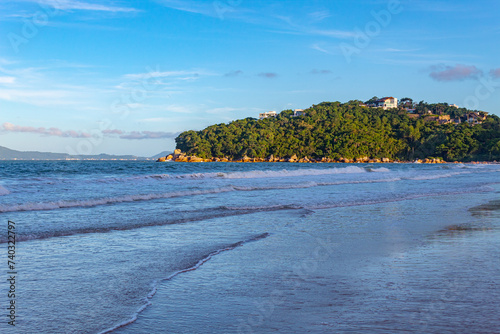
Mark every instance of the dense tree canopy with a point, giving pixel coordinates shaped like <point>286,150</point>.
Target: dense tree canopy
<point>335,130</point>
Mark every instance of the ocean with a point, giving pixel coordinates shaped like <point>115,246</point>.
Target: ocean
<point>143,247</point>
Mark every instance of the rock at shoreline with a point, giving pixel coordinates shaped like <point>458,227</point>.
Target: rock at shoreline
<point>195,159</point>
<point>179,156</point>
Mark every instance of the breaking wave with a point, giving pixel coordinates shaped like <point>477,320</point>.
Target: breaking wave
<point>254,174</point>
<point>64,204</point>
<point>106,200</point>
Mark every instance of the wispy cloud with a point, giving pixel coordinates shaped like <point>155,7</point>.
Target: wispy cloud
<point>458,72</point>
<point>56,132</point>
<point>4,61</point>
<point>268,75</point>
<point>190,6</point>
<point>226,110</point>
<point>495,73</point>
<point>341,34</point>
<point>317,47</point>
<point>166,74</point>
<point>439,6</point>
<point>112,132</point>
<point>316,71</point>
<point>7,80</point>
<point>155,120</point>
<point>395,50</point>
<point>9,127</point>
<point>266,16</point>
<point>81,5</point>
<point>37,96</point>
<point>319,15</point>
<point>233,73</point>
<point>141,135</point>
<point>178,109</point>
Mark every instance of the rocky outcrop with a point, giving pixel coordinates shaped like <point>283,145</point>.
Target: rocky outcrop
<point>179,156</point>
<point>195,159</point>
<point>433,161</point>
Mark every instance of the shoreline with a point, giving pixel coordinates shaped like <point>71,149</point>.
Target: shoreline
<point>179,156</point>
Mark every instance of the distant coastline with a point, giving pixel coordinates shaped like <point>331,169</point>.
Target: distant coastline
<point>9,154</point>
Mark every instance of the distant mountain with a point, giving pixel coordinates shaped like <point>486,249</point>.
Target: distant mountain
<point>162,154</point>
<point>8,154</point>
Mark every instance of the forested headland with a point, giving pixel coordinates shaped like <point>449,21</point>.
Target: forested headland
<point>334,131</point>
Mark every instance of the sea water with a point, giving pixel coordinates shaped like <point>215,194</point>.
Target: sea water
<point>142,247</point>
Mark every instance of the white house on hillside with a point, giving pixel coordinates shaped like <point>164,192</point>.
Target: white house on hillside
<point>298,112</point>
<point>386,103</point>
<point>268,114</point>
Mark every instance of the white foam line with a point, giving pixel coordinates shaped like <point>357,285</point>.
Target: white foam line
<point>155,283</point>
<point>43,206</point>
<point>106,200</point>
<point>249,174</point>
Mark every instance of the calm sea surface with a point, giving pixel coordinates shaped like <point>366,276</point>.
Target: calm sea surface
<point>142,247</point>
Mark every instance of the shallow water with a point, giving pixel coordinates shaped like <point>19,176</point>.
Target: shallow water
<point>137,247</point>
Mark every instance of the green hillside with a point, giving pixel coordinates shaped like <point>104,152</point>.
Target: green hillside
<point>350,130</point>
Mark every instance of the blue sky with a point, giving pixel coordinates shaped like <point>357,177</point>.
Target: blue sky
<point>125,77</point>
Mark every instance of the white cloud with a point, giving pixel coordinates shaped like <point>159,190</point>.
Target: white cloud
<point>459,72</point>
<point>322,48</point>
<point>399,50</point>
<point>197,7</point>
<point>155,120</point>
<point>265,16</point>
<point>7,80</point>
<point>179,109</point>
<point>319,15</point>
<point>4,61</point>
<point>9,127</point>
<point>165,74</point>
<point>56,132</point>
<point>227,110</point>
<point>25,94</point>
<point>81,5</point>
<point>332,33</point>
<point>140,135</point>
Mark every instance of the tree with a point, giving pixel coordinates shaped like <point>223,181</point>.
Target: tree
<point>372,100</point>
<point>406,102</point>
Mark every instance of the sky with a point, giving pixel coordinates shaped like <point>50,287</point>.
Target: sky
<point>126,77</point>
